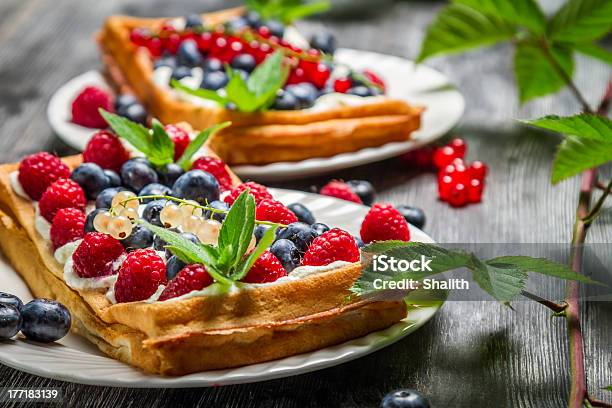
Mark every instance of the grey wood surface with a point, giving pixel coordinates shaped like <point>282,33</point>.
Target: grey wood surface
<point>471,354</point>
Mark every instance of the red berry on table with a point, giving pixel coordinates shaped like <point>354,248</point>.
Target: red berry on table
<point>38,171</point>
<point>190,278</point>
<point>258,191</point>
<point>85,107</point>
<point>340,190</point>
<point>421,158</point>
<point>274,211</point>
<point>267,268</point>
<point>342,85</point>
<point>96,254</point>
<point>180,138</point>
<point>217,168</point>
<point>460,172</point>
<point>443,156</point>
<point>64,193</point>
<point>333,245</point>
<point>475,189</point>
<point>478,170</point>
<point>459,146</point>
<point>444,187</point>
<point>140,275</point>
<point>458,195</point>
<point>106,150</point>
<point>68,225</point>
<point>382,223</point>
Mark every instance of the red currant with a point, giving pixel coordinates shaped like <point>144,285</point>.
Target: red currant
<point>319,75</point>
<point>342,85</point>
<point>478,170</point>
<point>204,41</point>
<point>264,32</point>
<point>443,156</point>
<point>459,146</point>
<point>374,78</point>
<point>172,42</point>
<point>445,185</point>
<point>140,36</point>
<point>458,195</point>
<point>296,76</point>
<point>154,45</point>
<point>475,189</point>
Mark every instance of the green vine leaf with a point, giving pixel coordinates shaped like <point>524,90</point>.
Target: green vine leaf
<point>161,150</point>
<point>542,266</point>
<point>584,125</point>
<point>581,20</point>
<point>199,141</point>
<point>502,281</point>
<point>526,13</point>
<point>287,11</point>
<point>594,51</point>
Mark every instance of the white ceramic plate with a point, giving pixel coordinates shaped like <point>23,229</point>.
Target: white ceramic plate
<point>75,359</point>
<point>416,84</point>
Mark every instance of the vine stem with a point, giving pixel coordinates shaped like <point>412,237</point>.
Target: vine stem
<point>555,307</point>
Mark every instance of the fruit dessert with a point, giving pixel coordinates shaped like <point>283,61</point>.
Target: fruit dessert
<point>169,263</point>
<point>287,98</point>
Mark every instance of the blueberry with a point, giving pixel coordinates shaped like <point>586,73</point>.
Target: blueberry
<point>306,94</point>
<point>319,229</point>
<point>359,242</point>
<point>214,80</point>
<point>174,266</point>
<point>404,399</point>
<point>45,320</point>
<point>360,90</point>
<point>413,215</point>
<point>8,299</point>
<point>324,41</point>
<point>181,72</point>
<point>193,20</point>
<point>140,238</point>
<point>136,113</point>
<point>237,24</point>
<point>364,190</point>
<point>299,233</point>
<point>105,198</point>
<point>152,210</point>
<point>91,178</point>
<point>166,61</point>
<point>287,253</point>
<point>136,174</point>
<point>89,227</point>
<point>10,321</point>
<point>246,62</point>
<point>154,189</point>
<point>197,185</point>
<point>219,205</point>
<point>212,64</point>
<point>188,53</point>
<point>285,101</point>
<point>253,19</point>
<point>169,174</point>
<point>113,178</point>
<point>159,244</point>
<point>123,101</point>
<point>259,231</point>
<point>276,28</point>
<point>302,213</point>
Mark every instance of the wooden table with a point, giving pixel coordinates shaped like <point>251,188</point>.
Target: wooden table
<point>472,353</point>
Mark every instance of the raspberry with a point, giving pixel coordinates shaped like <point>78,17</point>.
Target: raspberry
<point>38,171</point>
<point>68,225</point>
<point>95,256</point>
<point>267,268</point>
<point>333,245</point>
<point>85,107</point>
<point>217,168</point>
<point>64,193</point>
<point>106,150</point>
<point>140,275</point>
<point>180,138</point>
<point>341,190</point>
<point>383,222</point>
<point>256,190</point>
<point>274,211</point>
<point>190,278</point>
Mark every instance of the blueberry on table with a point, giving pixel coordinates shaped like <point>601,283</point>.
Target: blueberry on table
<point>136,174</point>
<point>245,62</point>
<point>306,94</point>
<point>45,320</point>
<point>285,101</point>
<point>113,178</point>
<point>9,299</point>
<point>193,20</point>
<point>91,178</point>
<point>169,174</point>
<point>173,267</point>
<point>324,41</point>
<point>212,64</point>
<point>299,233</point>
<point>188,53</point>
<point>140,238</point>
<point>89,220</point>
<point>413,215</point>
<point>364,190</point>
<point>214,80</point>
<point>302,213</point>
<point>197,185</point>
<point>153,189</point>
<point>404,399</point>
<point>218,205</point>
<point>287,253</point>
<point>152,210</point>
<point>10,321</point>
<point>319,228</point>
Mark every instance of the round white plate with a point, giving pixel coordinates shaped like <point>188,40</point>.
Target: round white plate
<point>75,359</point>
<point>416,84</point>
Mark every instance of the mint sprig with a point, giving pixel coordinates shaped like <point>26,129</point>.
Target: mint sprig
<point>196,144</point>
<point>287,11</point>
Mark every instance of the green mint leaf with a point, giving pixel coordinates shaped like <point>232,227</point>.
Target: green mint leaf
<point>238,92</point>
<point>301,11</point>
<point>526,13</point>
<point>161,151</point>
<point>200,92</point>
<point>264,243</point>
<point>584,125</point>
<point>535,76</point>
<point>503,282</point>
<point>581,20</point>
<point>194,146</point>
<point>267,78</point>
<point>237,229</point>
<point>286,11</point>
<point>459,28</point>
<point>136,134</point>
<point>542,266</point>
<point>594,51</point>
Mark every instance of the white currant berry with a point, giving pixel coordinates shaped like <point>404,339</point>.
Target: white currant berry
<point>191,223</point>
<point>208,232</point>
<point>171,216</point>
<point>101,221</point>
<point>191,208</point>
<point>120,227</point>
<point>120,198</point>
<point>130,213</point>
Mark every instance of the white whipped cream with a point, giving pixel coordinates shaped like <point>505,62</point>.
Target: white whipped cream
<point>155,296</point>
<point>335,100</point>
<point>16,185</point>
<point>63,253</point>
<point>76,282</point>
<point>295,38</point>
<point>42,225</point>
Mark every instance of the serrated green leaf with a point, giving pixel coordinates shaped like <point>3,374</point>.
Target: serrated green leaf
<point>268,77</point>
<point>200,92</point>
<point>584,125</point>
<point>304,10</point>
<point>535,75</point>
<point>581,20</point>
<point>238,92</point>
<point>264,243</point>
<point>540,265</point>
<point>161,151</point>
<point>594,51</point>
<point>502,282</point>
<point>458,28</point>
<point>237,229</point>
<point>576,155</point>
<point>526,13</point>
<point>136,134</point>
<point>378,247</point>
<point>194,146</point>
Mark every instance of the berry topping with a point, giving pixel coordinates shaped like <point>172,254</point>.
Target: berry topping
<point>180,138</point>
<point>342,85</point>
<point>382,223</point>
<point>190,278</point>
<point>197,185</point>
<point>214,80</point>
<point>217,168</point>
<point>152,212</point>
<point>274,211</point>
<point>302,213</point>
<point>287,253</point>
<point>188,53</point>
<point>91,178</point>
<point>141,237</point>
<point>374,78</point>
<point>38,171</point>
<point>140,275</point>
<point>413,215</point>
<point>364,190</point>
<point>64,193</point>
<point>137,173</point>
<point>106,150</point>
<point>68,225</point>
<point>333,245</point>
<point>319,228</point>
<point>285,101</point>
<point>45,320</point>
<point>85,107</point>
<point>298,233</point>
<point>324,41</point>
<point>95,255</point>
<point>127,105</point>
<point>267,268</point>
<point>173,267</point>
<point>258,191</point>
<point>340,190</point>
